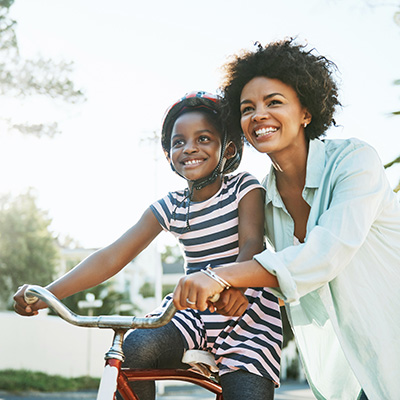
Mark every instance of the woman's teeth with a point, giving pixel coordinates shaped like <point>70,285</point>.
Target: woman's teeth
<point>265,131</point>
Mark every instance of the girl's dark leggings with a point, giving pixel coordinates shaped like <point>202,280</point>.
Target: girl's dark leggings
<point>163,348</point>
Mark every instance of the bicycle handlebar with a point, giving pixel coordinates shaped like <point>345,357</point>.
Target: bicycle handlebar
<point>35,292</point>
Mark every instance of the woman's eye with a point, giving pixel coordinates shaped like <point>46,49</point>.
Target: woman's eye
<point>246,110</point>
<point>274,103</point>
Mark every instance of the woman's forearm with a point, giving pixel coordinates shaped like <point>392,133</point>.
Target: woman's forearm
<point>247,274</point>
<point>199,287</point>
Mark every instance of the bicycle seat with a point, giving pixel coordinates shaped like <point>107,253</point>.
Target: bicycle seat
<point>201,361</point>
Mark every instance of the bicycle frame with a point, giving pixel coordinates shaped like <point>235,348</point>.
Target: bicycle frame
<point>114,377</point>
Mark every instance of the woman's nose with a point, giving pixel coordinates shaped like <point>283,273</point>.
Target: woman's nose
<point>259,115</point>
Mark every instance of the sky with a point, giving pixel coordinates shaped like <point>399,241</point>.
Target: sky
<point>134,58</point>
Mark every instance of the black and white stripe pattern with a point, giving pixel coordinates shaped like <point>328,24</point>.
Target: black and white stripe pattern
<point>253,341</point>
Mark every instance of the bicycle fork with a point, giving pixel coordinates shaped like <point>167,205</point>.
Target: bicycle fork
<point>111,377</point>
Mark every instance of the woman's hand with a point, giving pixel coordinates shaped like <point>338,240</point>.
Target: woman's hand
<point>22,307</point>
<point>194,291</point>
<point>232,302</point>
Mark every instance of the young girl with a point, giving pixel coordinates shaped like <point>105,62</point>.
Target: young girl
<point>333,220</point>
<point>205,218</point>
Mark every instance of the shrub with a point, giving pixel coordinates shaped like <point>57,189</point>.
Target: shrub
<point>24,380</point>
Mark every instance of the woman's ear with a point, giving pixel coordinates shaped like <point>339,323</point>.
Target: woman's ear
<point>230,150</point>
<point>307,118</point>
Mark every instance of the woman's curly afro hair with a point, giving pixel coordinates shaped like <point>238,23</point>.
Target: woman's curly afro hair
<point>310,75</point>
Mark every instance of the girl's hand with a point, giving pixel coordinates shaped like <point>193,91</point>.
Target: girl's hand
<point>194,291</point>
<point>232,302</point>
<point>23,308</point>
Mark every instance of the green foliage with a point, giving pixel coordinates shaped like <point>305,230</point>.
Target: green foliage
<point>147,290</point>
<point>28,252</point>
<point>287,330</point>
<point>23,381</point>
<point>112,301</point>
<point>167,289</point>
<point>22,78</point>
<point>292,371</point>
<point>171,254</point>
<point>396,160</point>
<point>396,82</point>
<point>6,3</point>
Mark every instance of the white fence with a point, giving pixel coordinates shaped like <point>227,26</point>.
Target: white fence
<point>48,344</point>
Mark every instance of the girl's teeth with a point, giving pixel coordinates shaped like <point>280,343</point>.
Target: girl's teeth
<point>191,162</point>
<point>265,131</point>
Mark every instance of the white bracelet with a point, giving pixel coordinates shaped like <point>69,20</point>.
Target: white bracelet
<point>211,274</point>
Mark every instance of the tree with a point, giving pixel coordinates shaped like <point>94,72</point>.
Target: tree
<point>113,302</point>
<point>28,251</point>
<point>171,255</point>
<point>22,78</point>
<point>396,18</point>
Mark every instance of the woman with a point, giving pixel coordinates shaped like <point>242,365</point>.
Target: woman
<point>333,221</point>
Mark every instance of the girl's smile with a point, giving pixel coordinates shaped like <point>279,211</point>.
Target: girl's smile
<point>195,146</point>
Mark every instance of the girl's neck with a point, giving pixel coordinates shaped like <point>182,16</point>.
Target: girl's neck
<point>206,192</point>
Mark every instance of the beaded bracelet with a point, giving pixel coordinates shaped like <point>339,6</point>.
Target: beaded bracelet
<point>210,273</point>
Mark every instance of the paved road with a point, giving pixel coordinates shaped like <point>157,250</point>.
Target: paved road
<point>288,391</point>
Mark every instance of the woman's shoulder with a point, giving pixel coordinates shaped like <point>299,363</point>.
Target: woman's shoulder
<point>350,156</point>
<point>340,149</point>
<point>345,145</point>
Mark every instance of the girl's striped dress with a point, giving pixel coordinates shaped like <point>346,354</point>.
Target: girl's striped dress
<point>253,341</point>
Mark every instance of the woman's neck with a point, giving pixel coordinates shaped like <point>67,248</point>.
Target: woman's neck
<point>290,167</point>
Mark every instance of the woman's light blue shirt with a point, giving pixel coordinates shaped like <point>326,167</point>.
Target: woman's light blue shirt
<point>342,285</point>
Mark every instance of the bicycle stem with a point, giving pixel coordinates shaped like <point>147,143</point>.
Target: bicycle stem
<point>115,351</point>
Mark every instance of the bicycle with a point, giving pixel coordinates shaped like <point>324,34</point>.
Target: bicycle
<point>114,377</point>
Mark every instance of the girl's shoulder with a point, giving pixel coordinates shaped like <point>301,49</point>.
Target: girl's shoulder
<point>241,177</point>
<point>240,183</point>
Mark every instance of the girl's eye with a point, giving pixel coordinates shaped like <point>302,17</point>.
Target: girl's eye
<point>177,142</point>
<point>204,139</point>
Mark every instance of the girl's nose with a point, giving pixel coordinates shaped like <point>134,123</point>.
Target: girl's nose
<point>190,147</point>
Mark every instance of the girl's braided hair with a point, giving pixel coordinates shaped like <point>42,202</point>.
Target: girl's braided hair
<point>309,74</point>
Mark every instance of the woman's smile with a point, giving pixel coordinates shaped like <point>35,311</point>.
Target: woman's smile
<point>265,132</point>
<point>272,117</point>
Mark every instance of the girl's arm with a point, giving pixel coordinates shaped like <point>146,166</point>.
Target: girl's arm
<point>99,266</point>
<point>251,225</point>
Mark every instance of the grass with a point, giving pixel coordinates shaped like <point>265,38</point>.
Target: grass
<point>24,381</point>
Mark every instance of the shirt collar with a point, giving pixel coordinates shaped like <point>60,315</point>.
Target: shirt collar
<point>315,169</point>
<point>315,163</point>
